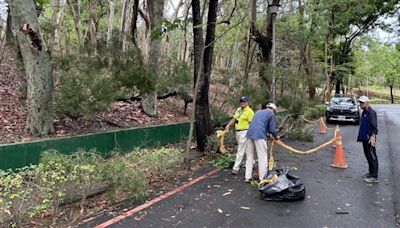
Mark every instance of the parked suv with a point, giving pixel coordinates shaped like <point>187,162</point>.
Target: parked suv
<point>343,108</point>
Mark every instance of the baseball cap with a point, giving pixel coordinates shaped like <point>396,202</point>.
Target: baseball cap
<point>363,99</point>
<point>271,106</point>
<point>244,99</point>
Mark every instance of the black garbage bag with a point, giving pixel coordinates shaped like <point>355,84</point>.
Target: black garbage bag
<point>285,188</point>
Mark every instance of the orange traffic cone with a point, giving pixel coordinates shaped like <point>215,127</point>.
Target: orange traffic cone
<point>322,126</point>
<point>339,160</point>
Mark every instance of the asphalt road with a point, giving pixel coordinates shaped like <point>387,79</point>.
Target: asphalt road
<point>335,197</point>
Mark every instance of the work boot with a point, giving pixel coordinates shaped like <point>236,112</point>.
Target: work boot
<point>366,175</point>
<point>371,180</point>
<point>235,172</point>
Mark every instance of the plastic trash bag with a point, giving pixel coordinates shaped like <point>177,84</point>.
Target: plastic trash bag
<point>284,188</point>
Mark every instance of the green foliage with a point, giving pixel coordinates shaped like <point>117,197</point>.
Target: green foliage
<point>122,177</point>
<point>302,134</point>
<point>54,173</point>
<point>159,162</point>
<point>175,76</point>
<point>16,190</point>
<point>295,105</point>
<point>87,85</point>
<point>225,161</point>
<point>315,112</point>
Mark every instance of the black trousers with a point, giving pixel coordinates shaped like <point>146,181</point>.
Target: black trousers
<point>370,154</point>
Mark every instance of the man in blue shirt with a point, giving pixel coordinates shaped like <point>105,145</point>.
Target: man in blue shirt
<point>367,136</point>
<point>262,125</point>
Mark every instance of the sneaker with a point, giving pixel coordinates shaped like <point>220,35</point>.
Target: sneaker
<point>235,172</point>
<point>366,175</point>
<point>371,180</point>
<point>247,181</point>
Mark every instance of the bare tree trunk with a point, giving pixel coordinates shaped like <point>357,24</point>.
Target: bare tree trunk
<point>391,94</point>
<point>92,26</point>
<point>155,8</point>
<point>198,40</point>
<point>127,24</point>
<point>76,14</point>
<point>135,13</point>
<point>123,16</point>
<point>110,21</point>
<point>203,117</point>
<point>37,66</point>
<point>305,51</point>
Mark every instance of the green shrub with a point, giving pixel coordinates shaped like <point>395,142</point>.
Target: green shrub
<point>124,178</point>
<point>54,173</point>
<point>157,162</point>
<point>86,173</point>
<point>16,196</point>
<point>302,134</point>
<point>225,161</point>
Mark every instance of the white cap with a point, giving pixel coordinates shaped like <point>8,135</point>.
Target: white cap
<point>271,106</point>
<point>363,99</point>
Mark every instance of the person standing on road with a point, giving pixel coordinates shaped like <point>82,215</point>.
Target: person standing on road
<point>263,124</point>
<point>242,118</point>
<point>367,136</point>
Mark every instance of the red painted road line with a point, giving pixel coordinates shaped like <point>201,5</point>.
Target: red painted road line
<point>155,200</point>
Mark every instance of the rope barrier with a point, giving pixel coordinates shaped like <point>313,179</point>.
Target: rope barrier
<point>310,151</point>
<point>221,136</point>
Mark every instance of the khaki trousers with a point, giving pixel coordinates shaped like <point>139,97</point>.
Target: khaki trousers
<point>259,147</point>
<point>242,142</point>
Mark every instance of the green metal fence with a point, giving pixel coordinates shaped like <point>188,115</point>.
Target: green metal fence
<point>22,154</point>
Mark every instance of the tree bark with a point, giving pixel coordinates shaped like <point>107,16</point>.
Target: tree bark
<point>92,26</point>
<point>391,94</point>
<point>135,13</point>
<point>198,40</point>
<point>37,64</point>
<point>155,8</point>
<point>76,14</point>
<point>110,21</point>
<point>305,51</point>
<point>203,116</point>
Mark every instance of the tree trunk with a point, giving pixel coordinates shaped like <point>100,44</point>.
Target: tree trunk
<point>305,52</point>
<point>391,94</point>
<point>126,24</point>
<point>198,40</point>
<point>155,8</point>
<point>92,27</point>
<point>135,13</point>
<point>203,117</point>
<point>76,14</point>
<point>110,21</point>
<point>37,66</point>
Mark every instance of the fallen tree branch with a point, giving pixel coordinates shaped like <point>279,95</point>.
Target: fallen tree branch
<point>184,96</point>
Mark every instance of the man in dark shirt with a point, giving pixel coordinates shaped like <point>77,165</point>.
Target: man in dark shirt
<point>367,136</point>
<point>262,125</point>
